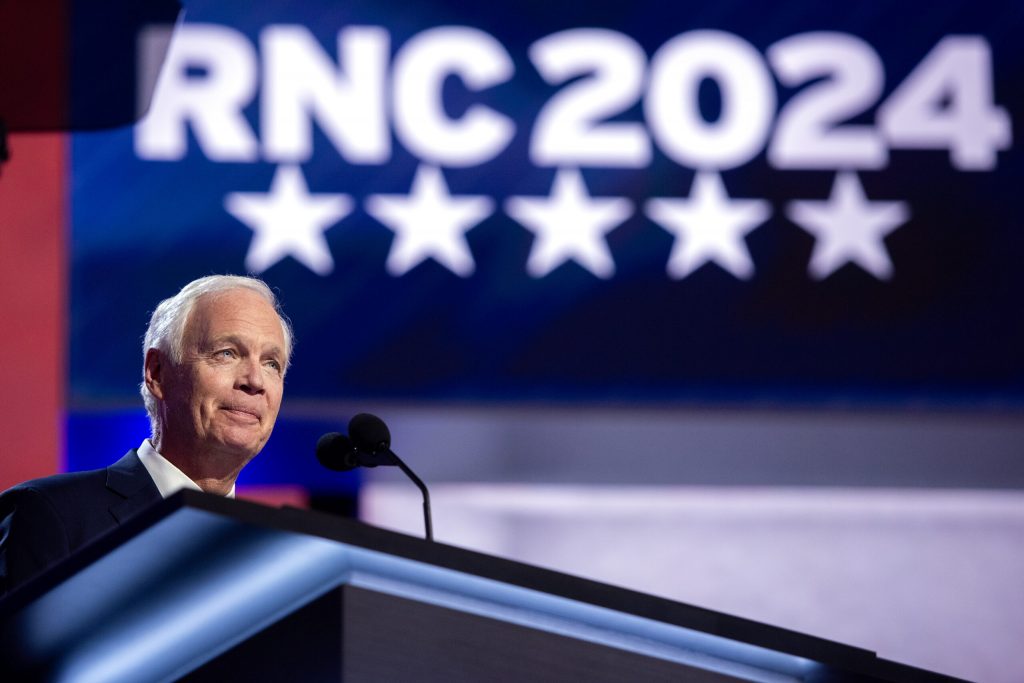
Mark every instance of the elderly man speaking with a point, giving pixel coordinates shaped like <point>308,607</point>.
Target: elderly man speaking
<point>215,357</point>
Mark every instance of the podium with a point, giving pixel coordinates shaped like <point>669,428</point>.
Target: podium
<point>202,588</point>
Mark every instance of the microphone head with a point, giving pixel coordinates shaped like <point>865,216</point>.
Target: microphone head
<point>336,452</point>
<point>369,433</point>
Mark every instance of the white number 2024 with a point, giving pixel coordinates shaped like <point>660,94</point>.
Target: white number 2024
<point>946,102</point>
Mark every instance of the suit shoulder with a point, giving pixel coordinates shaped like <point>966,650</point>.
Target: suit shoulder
<point>54,489</point>
<point>56,483</point>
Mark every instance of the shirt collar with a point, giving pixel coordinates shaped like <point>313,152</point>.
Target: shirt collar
<point>168,478</point>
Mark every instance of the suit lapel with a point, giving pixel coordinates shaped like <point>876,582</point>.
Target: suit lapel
<point>129,479</point>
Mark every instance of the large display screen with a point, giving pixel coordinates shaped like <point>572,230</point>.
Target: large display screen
<point>587,202</point>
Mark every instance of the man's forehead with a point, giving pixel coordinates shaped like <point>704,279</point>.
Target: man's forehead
<point>232,312</point>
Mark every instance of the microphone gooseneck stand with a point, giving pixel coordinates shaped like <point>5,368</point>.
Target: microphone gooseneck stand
<point>427,524</point>
<point>369,446</point>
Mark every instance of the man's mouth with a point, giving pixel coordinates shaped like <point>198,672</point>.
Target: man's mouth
<point>242,413</point>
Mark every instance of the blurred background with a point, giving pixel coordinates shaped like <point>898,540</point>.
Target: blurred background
<point>716,302</point>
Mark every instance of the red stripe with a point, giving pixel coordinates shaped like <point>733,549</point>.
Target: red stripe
<point>33,206</point>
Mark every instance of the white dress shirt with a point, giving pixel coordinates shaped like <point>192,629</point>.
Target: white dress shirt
<point>168,478</point>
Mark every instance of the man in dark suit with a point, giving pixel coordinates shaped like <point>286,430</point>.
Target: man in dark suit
<point>215,356</point>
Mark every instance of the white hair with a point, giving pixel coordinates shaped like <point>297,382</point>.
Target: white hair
<point>166,331</point>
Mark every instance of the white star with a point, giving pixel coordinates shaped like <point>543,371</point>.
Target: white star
<point>848,228</point>
<point>429,223</point>
<point>288,221</point>
<point>708,226</point>
<point>569,224</point>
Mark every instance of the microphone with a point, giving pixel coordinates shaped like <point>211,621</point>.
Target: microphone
<point>372,438</point>
<point>369,446</point>
<point>335,451</point>
<point>369,433</point>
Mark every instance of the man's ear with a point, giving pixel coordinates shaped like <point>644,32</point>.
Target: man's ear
<point>155,371</point>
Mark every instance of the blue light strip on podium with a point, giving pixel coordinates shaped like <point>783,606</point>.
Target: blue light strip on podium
<point>562,616</point>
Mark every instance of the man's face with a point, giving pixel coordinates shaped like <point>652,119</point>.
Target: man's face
<point>223,399</point>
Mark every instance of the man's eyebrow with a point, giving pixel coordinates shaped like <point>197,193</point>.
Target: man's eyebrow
<point>273,350</point>
<point>226,339</point>
<point>235,340</point>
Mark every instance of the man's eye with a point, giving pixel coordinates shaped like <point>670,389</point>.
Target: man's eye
<point>226,353</point>
<point>273,364</point>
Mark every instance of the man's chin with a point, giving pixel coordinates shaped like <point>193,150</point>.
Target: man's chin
<point>241,448</point>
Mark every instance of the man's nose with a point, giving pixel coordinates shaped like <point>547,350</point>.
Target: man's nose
<point>251,376</point>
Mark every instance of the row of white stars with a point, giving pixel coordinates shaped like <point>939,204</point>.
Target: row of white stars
<point>569,225</point>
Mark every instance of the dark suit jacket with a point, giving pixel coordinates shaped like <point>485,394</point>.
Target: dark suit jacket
<point>45,520</point>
